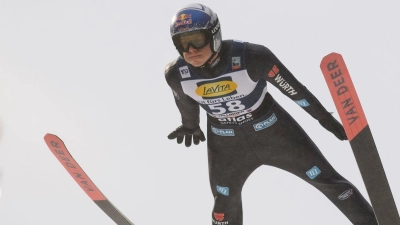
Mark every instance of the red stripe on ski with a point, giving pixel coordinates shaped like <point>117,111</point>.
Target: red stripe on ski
<point>57,147</point>
<point>344,94</point>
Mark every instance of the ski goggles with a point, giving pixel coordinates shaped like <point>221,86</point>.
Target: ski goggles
<point>197,39</point>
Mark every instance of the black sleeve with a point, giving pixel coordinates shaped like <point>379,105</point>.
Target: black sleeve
<point>188,107</point>
<point>263,64</point>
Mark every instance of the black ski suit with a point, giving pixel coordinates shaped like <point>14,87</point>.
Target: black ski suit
<point>247,128</point>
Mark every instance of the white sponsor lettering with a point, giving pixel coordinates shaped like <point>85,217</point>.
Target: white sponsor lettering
<point>284,85</point>
<point>215,29</point>
<point>220,223</point>
<point>239,120</point>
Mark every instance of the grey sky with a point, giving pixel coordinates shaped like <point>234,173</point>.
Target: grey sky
<point>91,72</point>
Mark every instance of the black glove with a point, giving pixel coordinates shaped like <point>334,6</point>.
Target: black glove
<point>182,131</point>
<point>331,124</point>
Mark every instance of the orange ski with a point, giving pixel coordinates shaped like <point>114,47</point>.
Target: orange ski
<point>57,147</point>
<point>360,137</point>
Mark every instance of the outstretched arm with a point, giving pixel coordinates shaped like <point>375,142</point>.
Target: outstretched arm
<point>278,75</point>
<point>189,109</point>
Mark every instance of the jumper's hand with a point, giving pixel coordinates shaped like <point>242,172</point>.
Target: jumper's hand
<point>332,125</point>
<point>182,132</point>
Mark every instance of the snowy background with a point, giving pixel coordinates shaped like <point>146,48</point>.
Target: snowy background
<point>92,72</point>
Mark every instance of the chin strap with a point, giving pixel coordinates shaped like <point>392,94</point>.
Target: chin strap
<point>209,63</point>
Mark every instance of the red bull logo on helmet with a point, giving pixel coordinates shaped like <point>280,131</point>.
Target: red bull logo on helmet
<point>183,19</point>
<point>184,16</point>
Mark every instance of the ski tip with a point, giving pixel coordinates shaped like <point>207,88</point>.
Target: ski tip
<point>330,57</point>
<point>49,135</point>
<point>333,53</point>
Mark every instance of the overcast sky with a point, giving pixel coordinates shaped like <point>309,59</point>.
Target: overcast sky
<point>92,72</point>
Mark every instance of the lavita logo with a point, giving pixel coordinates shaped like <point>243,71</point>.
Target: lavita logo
<point>313,172</point>
<point>216,88</point>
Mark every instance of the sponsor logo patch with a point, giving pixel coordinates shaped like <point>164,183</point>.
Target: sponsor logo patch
<point>239,120</point>
<point>184,70</point>
<point>345,195</point>
<point>219,216</point>
<point>313,172</point>
<point>274,72</point>
<point>216,89</point>
<point>183,19</point>
<point>302,103</point>
<point>236,63</point>
<point>223,132</point>
<point>223,190</point>
<point>266,123</point>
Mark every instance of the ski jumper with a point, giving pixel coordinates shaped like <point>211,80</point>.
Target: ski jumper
<point>247,128</point>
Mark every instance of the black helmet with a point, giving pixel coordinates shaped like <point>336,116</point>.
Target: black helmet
<point>195,25</point>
